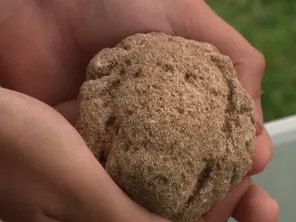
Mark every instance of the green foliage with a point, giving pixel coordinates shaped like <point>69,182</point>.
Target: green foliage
<point>270,26</point>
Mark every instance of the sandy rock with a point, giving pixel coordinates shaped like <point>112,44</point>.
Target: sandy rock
<point>169,121</point>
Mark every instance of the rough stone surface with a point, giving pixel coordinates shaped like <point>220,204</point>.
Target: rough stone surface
<point>169,121</point>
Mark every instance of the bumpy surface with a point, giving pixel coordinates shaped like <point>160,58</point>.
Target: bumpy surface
<point>169,121</point>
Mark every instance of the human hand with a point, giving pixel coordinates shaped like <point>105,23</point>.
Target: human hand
<point>47,172</point>
<point>45,47</point>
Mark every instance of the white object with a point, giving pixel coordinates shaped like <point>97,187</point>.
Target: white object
<point>282,131</point>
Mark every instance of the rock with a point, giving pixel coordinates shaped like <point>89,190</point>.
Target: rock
<point>169,121</point>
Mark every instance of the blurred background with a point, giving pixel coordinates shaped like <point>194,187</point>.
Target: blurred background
<point>270,26</point>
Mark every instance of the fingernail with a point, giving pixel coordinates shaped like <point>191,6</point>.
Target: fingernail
<point>259,127</point>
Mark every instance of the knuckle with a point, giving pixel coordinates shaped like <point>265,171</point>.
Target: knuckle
<point>258,60</point>
<point>275,209</point>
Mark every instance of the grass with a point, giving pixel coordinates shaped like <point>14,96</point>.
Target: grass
<point>270,26</point>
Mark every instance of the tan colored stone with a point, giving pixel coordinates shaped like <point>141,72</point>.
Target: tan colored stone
<point>169,121</point>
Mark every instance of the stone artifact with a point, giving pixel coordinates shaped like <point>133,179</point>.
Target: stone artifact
<point>169,121</point>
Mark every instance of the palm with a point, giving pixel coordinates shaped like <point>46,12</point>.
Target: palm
<point>46,47</point>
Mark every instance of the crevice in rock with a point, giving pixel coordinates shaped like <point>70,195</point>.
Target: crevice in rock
<point>180,110</point>
<point>190,75</point>
<point>161,180</point>
<point>110,123</point>
<point>122,71</point>
<point>115,83</point>
<point>201,181</point>
<point>102,158</point>
<point>128,61</point>
<point>249,145</point>
<point>167,67</point>
<point>111,127</point>
<point>235,179</point>
<point>187,76</point>
<point>138,73</point>
<point>228,113</point>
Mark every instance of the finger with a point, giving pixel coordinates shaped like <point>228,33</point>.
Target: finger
<point>224,209</point>
<point>250,74</point>
<point>257,206</point>
<point>263,152</point>
<point>201,23</point>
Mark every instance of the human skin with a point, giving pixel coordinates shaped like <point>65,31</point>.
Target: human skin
<point>45,47</point>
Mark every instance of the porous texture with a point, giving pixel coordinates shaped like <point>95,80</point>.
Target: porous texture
<point>169,121</point>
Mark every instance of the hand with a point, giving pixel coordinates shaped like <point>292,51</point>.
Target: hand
<point>49,175</point>
<point>45,47</point>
